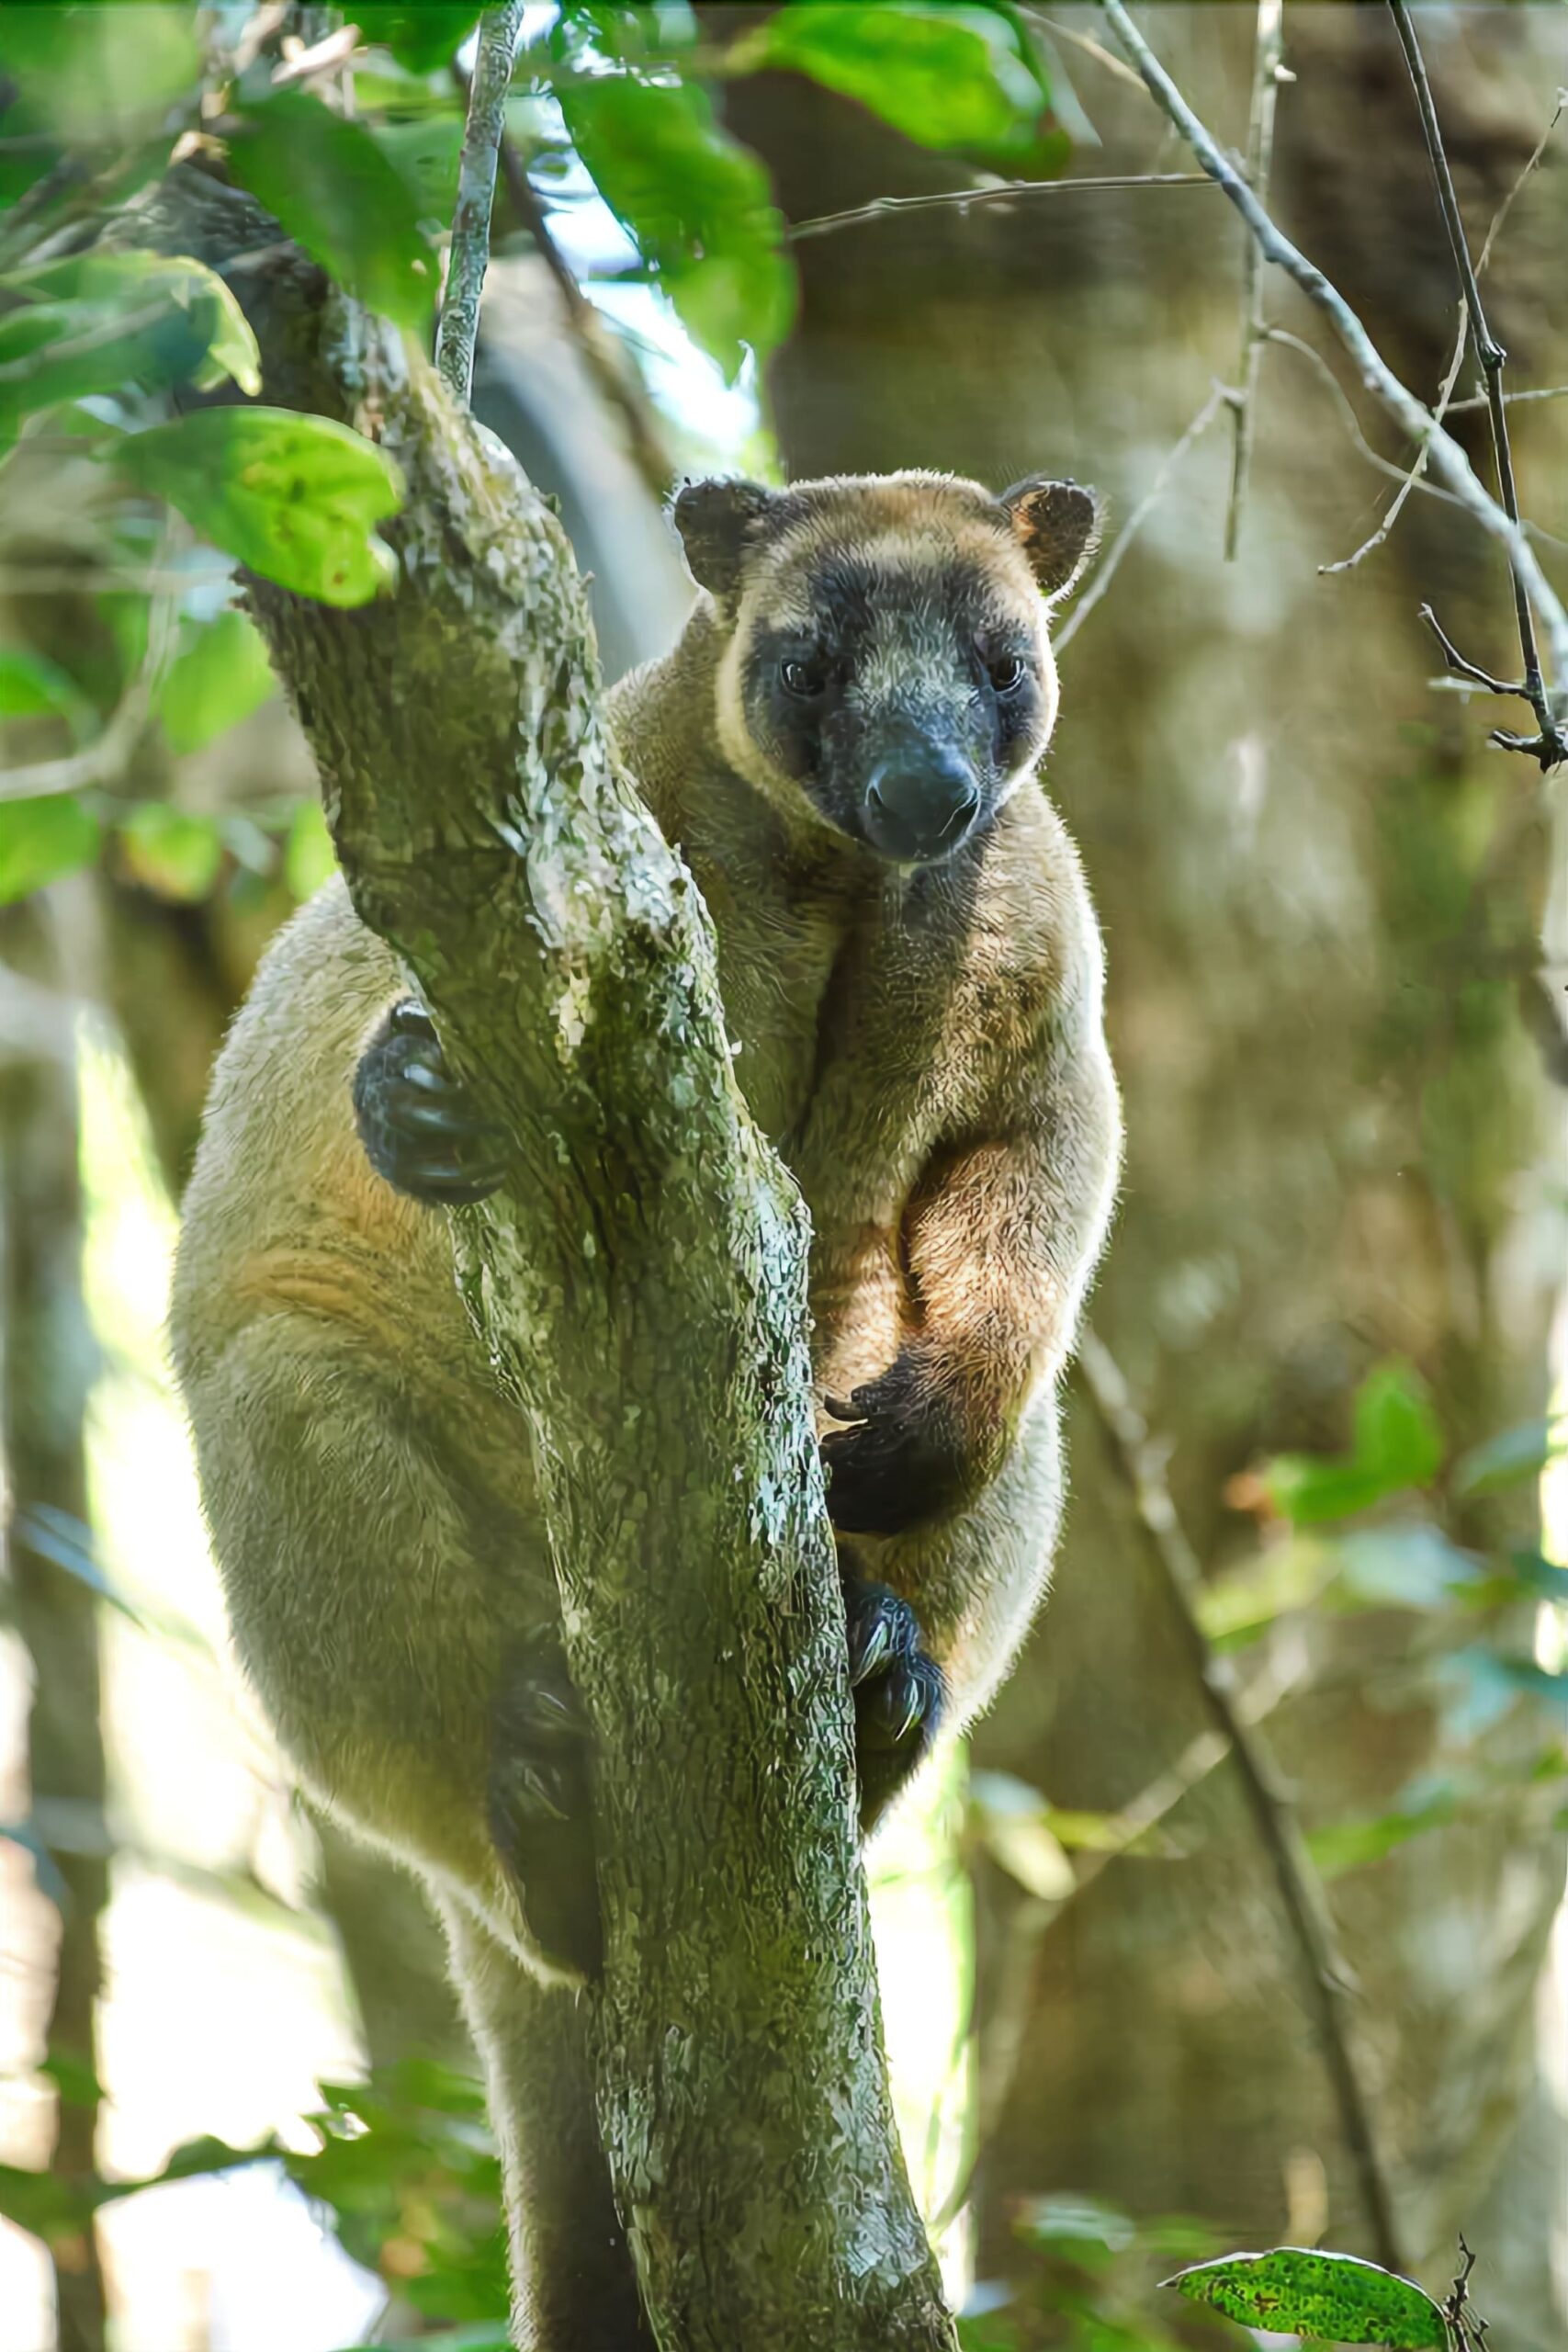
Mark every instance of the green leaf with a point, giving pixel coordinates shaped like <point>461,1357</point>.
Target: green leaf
<point>1511,1459</point>
<point>697,205</point>
<point>340,198</point>
<point>1340,1846</point>
<point>1332,2297</point>
<point>171,852</point>
<point>294,497</point>
<point>425,155</point>
<point>309,859</point>
<point>42,840</point>
<point>133,281</point>
<point>31,686</point>
<point>1012,1822</point>
<point>220,677</point>
<point>944,76</point>
<point>1397,1445</point>
<point>100,72</point>
<point>1540,1575</point>
<point>1412,1566</point>
<point>53,352</point>
<point>421,38</point>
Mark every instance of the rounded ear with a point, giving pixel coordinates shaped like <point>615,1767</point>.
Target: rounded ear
<point>1057,527</point>
<point>718,522</point>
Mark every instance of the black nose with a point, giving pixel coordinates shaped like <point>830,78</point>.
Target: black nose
<point>921,804</point>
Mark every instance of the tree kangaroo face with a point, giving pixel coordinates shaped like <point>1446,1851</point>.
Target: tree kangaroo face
<point>889,670</point>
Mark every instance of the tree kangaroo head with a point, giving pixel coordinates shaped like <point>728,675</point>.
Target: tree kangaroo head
<point>888,671</point>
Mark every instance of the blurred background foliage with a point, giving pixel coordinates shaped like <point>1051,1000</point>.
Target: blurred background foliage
<point>1316,1468</point>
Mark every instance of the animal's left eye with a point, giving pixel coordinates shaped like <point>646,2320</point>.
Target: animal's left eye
<point>1007,674</point>
<point>804,679</point>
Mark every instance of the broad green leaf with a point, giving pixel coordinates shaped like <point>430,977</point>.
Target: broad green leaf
<point>31,686</point>
<point>1076,2221</point>
<point>1412,1566</point>
<point>42,840</point>
<point>218,678</point>
<point>944,76</point>
<point>697,205</point>
<point>101,73</point>
<point>421,38</point>
<point>1340,1846</point>
<point>171,852</point>
<point>425,154</point>
<point>308,857</point>
<point>294,497</point>
<point>1539,1574</point>
<point>53,352</point>
<point>341,198</point>
<point>1397,1445</point>
<point>1511,1459</point>
<point>134,281</point>
<point>1332,2297</point>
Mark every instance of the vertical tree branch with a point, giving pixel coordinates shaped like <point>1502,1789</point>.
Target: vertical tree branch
<point>1448,460</point>
<point>47,1372</point>
<point>1551,743</point>
<point>1301,1890</point>
<point>469,253</point>
<point>1260,157</point>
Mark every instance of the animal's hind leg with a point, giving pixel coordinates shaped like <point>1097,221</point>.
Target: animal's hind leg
<point>573,2284</point>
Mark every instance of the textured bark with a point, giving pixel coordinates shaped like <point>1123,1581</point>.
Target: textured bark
<point>1322,901</point>
<point>48,1373</point>
<point>641,1284</point>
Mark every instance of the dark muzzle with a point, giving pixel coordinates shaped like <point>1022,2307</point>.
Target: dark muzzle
<point>920,803</point>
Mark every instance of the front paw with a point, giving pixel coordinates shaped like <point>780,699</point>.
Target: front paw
<point>421,1130</point>
<point>541,1810</point>
<point>898,1693</point>
<point>902,1459</point>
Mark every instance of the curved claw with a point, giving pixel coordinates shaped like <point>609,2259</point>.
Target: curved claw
<point>420,1132</point>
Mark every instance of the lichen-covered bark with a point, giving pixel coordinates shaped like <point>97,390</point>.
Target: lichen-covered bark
<point>641,1284</point>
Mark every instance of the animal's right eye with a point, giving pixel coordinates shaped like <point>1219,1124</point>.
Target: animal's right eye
<point>804,679</point>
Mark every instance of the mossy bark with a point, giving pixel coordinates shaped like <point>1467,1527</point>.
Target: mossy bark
<point>641,1286</point>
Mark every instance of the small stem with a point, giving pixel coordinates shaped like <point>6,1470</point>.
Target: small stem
<point>1490,354</point>
<point>459,327</point>
<point>882,208</point>
<point>1259,156</point>
<point>1301,1890</point>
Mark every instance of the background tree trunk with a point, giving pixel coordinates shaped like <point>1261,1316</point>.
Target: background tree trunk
<point>49,1364</point>
<point>1314,974</point>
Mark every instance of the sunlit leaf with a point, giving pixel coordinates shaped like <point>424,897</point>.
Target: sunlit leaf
<point>697,204</point>
<point>309,859</point>
<point>339,197</point>
<point>31,686</point>
<point>1340,1846</point>
<point>96,72</point>
<point>1245,1600</point>
<point>294,497</point>
<point>1513,1458</point>
<point>1412,1566</point>
<point>42,840</point>
<point>171,852</point>
<point>1076,2222</point>
<point>220,677</point>
<point>944,76</point>
<point>1397,1445</point>
<point>1332,2297</point>
<point>1011,1820</point>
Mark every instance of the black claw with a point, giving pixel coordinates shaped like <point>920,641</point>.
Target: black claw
<point>420,1130</point>
<point>898,1692</point>
<point>541,1810</point>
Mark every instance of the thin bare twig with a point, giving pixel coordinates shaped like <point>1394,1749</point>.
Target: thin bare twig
<point>1220,397</point>
<point>105,759</point>
<point>470,255</point>
<point>1091,48</point>
<point>1412,477</point>
<point>1301,1890</point>
<point>1259,156</point>
<point>1447,460</point>
<point>882,208</point>
<point>1550,743</point>
<point>1510,400</point>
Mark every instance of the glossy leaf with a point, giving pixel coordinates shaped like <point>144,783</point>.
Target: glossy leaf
<point>294,497</point>
<point>42,840</point>
<point>1397,1445</point>
<point>133,281</point>
<point>1331,2298</point>
<point>219,677</point>
<point>697,203</point>
<point>340,198</point>
<point>944,76</point>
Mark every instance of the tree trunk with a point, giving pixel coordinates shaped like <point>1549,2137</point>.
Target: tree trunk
<point>487,833</point>
<point>48,1373</point>
<point>1322,897</point>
